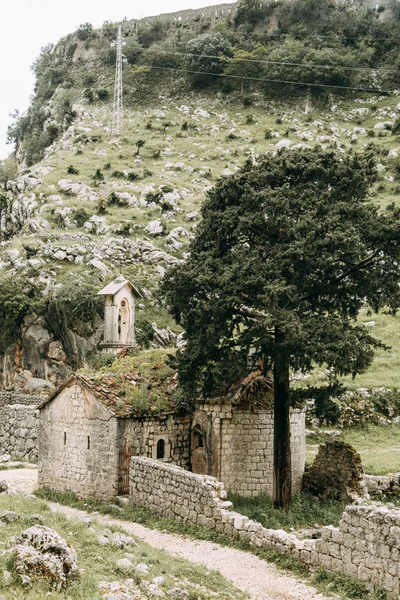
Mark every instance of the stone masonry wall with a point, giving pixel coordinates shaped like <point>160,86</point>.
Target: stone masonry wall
<point>78,446</point>
<point>365,546</point>
<point>140,437</point>
<point>378,485</point>
<point>19,425</point>
<point>247,448</point>
<point>210,13</point>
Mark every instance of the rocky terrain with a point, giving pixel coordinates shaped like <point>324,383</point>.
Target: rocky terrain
<point>96,204</point>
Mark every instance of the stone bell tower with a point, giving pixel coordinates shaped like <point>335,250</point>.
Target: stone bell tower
<point>119,315</point>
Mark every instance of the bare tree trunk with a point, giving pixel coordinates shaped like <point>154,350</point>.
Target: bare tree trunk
<point>282,458</point>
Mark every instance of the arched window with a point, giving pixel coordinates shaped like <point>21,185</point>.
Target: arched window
<point>160,449</point>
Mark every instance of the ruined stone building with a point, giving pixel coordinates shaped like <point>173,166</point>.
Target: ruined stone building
<point>89,430</point>
<point>88,434</point>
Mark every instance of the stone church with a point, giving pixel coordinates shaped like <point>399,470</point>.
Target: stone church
<point>88,432</point>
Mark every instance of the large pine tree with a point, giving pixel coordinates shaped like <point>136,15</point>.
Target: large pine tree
<point>288,252</point>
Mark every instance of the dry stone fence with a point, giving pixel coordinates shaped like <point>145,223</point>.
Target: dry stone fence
<point>365,546</point>
<point>19,424</point>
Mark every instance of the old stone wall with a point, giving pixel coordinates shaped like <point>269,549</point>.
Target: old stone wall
<point>365,546</point>
<point>19,425</point>
<point>242,447</point>
<point>336,471</point>
<point>140,437</point>
<point>378,485</point>
<point>248,452</point>
<point>208,13</point>
<point>78,446</point>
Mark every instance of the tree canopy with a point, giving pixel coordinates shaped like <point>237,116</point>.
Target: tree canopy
<point>289,250</point>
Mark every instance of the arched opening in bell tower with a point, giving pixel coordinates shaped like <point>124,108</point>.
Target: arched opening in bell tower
<point>124,322</point>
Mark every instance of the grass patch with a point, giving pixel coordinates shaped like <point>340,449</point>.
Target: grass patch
<point>97,563</point>
<point>338,586</point>
<point>306,511</point>
<point>378,445</point>
<point>345,587</point>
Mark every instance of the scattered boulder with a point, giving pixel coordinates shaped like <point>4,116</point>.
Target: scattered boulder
<point>99,265</point>
<point>155,228</point>
<point>121,540</point>
<point>102,540</point>
<point>163,337</point>
<point>115,590</point>
<point>97,225</point>
<point>9,516</point>
<point>82,191</point>
<point>4,458</point>
<point>3,487</point>
<point>40,552</point>
<point>192,216</point>
<point>37,518</point>
<point>36,386</point>
<point>142,568</point>
<point>178,594</point>
<point>124,565</point>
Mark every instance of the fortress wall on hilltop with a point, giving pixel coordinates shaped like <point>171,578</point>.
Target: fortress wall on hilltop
<point>210,13</point>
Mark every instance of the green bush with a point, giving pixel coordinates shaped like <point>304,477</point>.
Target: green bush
<point>207,56</point>
<point>18,298</point>
<point>76,307</point>
<point>84,31</point>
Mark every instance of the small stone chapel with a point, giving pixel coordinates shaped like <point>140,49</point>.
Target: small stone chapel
<point>88,430</point>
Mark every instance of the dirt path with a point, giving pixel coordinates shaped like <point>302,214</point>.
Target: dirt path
<point>20,480</point>
<point>247,572</point>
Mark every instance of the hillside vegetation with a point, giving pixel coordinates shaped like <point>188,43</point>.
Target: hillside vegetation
<point>87,204</point>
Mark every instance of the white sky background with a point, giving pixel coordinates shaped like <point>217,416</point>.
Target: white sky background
<point>28,25</point>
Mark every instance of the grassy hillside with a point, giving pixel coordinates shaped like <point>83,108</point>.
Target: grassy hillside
<point>187,147</point>
<point>95,205</point>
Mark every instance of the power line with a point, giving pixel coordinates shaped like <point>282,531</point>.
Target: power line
<point>267,80</point>
<point>275,62</point>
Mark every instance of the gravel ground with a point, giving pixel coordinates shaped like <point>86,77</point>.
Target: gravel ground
<point>247,572</point>
<point>20,480</point>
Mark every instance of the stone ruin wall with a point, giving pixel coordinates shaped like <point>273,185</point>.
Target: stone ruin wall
<point>336,472</point>
<point>212,14</point>
<point>19,423</point>
<point>208,13</point>
<point>365,546</point>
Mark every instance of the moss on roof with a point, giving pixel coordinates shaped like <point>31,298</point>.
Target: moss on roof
<point>139,384</point>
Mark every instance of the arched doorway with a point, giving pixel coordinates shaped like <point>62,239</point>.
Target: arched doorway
<point>199,451</point>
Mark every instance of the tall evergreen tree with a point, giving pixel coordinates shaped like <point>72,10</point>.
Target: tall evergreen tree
<point>288,252</point>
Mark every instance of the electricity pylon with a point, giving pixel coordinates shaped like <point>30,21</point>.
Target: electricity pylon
<point>118,114</point>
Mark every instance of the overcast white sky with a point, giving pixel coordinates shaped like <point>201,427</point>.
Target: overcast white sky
<point>28,25</point>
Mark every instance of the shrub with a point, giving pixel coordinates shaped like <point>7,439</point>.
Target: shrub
<point>84,31</point>
<point>80,216</point>
<point>76,307</point>
<point>18,298</point>
<point>207,55</point>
